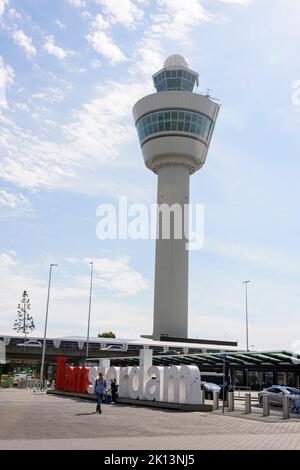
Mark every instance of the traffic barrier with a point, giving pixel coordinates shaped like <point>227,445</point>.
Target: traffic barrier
<point>286,409</point>
<point>247,403</point>
<point>202,397</point>
<point>230,401</point>
<point>215,400</point>
<point>266,405</point>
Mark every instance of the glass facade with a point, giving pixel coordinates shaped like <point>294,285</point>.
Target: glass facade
<point>177,121</point>
<point>175,80</point>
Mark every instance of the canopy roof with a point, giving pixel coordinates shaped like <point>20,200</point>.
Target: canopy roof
<point>241,359</point>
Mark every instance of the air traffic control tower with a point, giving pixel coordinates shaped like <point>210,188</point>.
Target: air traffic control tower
<point>175,128</point>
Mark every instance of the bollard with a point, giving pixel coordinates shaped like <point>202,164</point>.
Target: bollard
<point>216,400</point>
<point>202,397</point>
<point>230,401</point>
<point>247,403</point>
<point>286,409</point>
<point>266,405</point>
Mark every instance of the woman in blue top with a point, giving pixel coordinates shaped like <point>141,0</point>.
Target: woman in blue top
<point>99,389</point>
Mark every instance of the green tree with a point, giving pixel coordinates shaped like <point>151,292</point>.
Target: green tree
<point>107,334</point>
<point>24,321</point>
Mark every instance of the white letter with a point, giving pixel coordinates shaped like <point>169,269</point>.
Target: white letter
<point>138,228</point>
<point>167,229</point>
<point>106,228</point>
<point>134,383</point>
<point>92,379</point>
<point>182,385</point>
<point>196,236</point>
<point>123,384</point>
<point>153,389</point>
<point>123,218</point>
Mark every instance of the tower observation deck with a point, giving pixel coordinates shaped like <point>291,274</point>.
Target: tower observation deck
<point>175,127</point>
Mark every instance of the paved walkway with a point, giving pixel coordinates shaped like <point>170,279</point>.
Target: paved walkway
<point>39,421</point>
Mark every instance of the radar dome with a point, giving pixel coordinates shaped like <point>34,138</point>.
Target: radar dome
<point>176,60</point>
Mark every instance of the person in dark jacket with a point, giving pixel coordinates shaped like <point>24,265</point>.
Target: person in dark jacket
<point>114,390</point>
<point>99,389</point>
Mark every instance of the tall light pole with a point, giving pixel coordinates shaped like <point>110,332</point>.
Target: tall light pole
<point>247,329</point>
<point>46,321</point>
<point>89,317</point>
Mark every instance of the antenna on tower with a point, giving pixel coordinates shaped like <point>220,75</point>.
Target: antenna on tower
<point>208,94</point>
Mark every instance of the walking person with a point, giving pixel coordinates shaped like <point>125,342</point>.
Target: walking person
<point>114,390</point>
<point>99,389</point>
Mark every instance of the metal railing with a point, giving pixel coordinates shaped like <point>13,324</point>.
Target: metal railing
<point>36,385</point>
<point>241,391</point>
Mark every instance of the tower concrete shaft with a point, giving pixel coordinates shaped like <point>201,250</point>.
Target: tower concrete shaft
<point>171,257</point>
<point>175,127</point>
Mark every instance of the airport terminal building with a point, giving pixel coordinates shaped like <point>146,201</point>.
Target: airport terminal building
<point>254,369</point>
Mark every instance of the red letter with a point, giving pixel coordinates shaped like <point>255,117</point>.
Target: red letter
<point>60,373</point>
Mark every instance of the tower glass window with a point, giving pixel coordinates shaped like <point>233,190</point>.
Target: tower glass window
<point>175,80</point>
<point>174,120</point>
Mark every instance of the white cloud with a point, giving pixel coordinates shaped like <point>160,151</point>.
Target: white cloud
<point>117,275</point>
<point>14,14</point>
<point>17,276</point>
<point>70,294</point>
<point>93,138</point>
<point>237,2</point>
<point>86,14</point>
<point>25,42</point>
<point>104,45</point>
<point>176,19</point>
<point>22,107</point>
<point>60,24</point>
<point>3,3</point>
<point>6,79</point>
<point>96,64</point>
<point>173,22</point>
<point>124,12</point>
<point>51,95</point>
<point>100,23</point>
<point>77,3</point>
<point>53,49</point>
<point>13,204</point>
<point>103,125</point>
<point>102,41</point>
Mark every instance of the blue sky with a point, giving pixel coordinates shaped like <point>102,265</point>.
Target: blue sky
<point>70,72</point>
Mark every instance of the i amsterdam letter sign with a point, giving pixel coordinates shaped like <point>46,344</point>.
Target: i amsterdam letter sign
<point>175,384</point>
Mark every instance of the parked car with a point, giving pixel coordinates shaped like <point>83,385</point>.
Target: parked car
<point>33,343</point>
<point>115,348</point>
<point>277,392</point>
<point>170,352</point>
<point>209,389</point>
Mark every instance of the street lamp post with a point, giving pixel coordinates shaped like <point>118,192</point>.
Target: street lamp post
<point>89,316</point>
<point>46,321</point>
<point>247,329</point>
